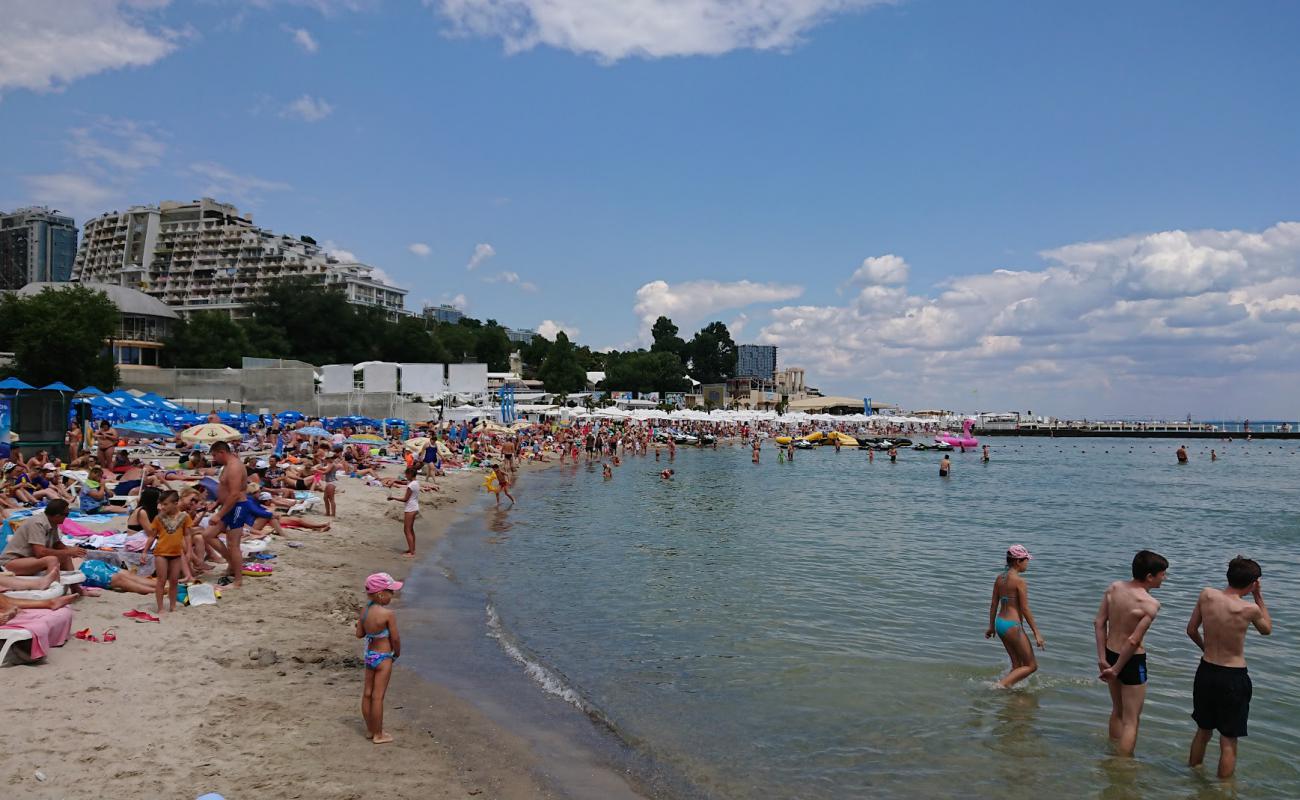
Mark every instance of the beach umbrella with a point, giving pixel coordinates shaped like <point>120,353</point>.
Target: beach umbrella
<point>417,444</point>
<point>14,383</point>
<point>91,391</point>
<point>57,386</point>
<point>138,428</point>
<point>312,430</point>
<point>367,439</point>
<point>209,433</point>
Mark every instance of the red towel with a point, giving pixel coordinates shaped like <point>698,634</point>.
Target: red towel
<point>48,628</point>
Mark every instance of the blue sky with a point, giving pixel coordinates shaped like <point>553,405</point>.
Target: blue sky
<point>1082,208</point>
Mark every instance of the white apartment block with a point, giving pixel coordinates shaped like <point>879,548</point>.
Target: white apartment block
<point>207,256</point>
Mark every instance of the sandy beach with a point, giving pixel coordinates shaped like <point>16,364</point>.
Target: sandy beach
<point>259,695</point>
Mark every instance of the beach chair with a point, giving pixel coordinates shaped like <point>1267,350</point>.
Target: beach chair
<point>10,637</point>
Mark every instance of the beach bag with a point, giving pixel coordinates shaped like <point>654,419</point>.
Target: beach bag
<point>202,594</point>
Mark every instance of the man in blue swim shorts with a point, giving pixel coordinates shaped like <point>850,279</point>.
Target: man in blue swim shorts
<point>233,513</point>
<point>102,575</point>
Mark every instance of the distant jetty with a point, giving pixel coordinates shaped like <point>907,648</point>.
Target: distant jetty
<point>1115,431</point>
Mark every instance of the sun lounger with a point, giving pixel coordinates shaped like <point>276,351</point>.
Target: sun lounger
<point>10,637</point>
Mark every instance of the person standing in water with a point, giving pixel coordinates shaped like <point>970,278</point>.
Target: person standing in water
<point>1009,612</point>
<point>1222,689</point>
<point>945,464</point>
<point>893,455</point>
<point>985,457</point>
<point>1126,613</point>
<point>1182,454</point>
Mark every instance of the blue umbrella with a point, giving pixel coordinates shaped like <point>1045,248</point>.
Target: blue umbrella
<point>14,383</point>
<point>57,386</point>
<point>313,431</point>
<point>145,428</point>
<point>91,391</point>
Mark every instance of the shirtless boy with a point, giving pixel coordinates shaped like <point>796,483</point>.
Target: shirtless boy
<point>1126,613</point>
<point>1221,692</point>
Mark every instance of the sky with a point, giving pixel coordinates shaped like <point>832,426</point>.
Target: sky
<point>1087,209</point>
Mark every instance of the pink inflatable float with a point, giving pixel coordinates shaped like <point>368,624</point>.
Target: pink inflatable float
<point>963,441</point>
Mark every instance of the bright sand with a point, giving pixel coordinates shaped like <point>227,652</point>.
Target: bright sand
<point>258,696</point>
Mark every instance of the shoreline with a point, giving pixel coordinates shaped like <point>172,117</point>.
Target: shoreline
<point>260,694</point>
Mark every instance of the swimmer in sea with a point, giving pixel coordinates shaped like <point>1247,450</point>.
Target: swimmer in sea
<point>667,474</point>
<point>893,455</point>
<point>1213,455</point>
<point>1008,614</point>
<point>985,458</point>
<point>944,465</point>
<point>1182,454</point>
<point>607,473</point>
<point>1126,613</point>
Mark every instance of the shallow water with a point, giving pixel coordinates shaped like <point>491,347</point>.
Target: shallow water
<point>815,629</point>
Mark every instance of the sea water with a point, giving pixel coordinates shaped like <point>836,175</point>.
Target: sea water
<point>815,629</point>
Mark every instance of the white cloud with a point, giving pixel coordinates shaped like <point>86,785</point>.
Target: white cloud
<point>690,302</point>
<point>107,155</point>
<point>336,250</point>
<point>888,269</point>
<point>548,328</point>
<point>74,193</point>
<point>482,252</point>
<point>513,279</point>
<point>308,109</point>
<point>616,29</point>
<point>223,184</point>
<point>45,45</point>
<point>459,301</point>
<point>420,249</point>
<point>1172,317</point>
<point>303,38</point>
<point>737,325</point>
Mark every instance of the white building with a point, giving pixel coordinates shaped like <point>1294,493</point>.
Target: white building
<point>207,256</point>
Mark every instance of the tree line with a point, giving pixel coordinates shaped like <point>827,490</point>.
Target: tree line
<point>62,334</point>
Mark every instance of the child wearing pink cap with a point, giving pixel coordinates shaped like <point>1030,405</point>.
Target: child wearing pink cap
<point>383,646</point>
<point>1009,612</point>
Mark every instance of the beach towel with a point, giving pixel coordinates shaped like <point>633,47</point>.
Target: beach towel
<point>76,530</point>
<point>48,628</point>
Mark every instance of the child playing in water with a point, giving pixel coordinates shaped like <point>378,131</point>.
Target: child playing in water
<point>378,626</point>
<point>503,484</point>
<point>170,529</point>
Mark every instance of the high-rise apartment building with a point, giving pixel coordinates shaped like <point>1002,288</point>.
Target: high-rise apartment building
<point>36,244</point>
<point>756,361</point>
<point>207,256</point>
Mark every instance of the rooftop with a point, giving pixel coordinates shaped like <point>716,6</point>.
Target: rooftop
<point>128,301</point>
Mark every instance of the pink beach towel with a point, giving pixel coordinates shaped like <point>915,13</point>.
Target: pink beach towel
<point>76,530</point>
<point>48,628</point>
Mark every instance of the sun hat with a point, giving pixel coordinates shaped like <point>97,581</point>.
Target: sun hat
<point>381,581</point>
<point>262,463</point>
<point>155,463</point>
<point>1018,551</point>
<point>49,465</point>
<point>264,496</point>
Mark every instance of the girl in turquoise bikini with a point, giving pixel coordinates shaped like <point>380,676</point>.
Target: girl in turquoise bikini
<point>378,626</point>
<point>1008,613</point>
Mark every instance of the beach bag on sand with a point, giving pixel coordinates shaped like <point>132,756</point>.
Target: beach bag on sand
<point>202,594</point>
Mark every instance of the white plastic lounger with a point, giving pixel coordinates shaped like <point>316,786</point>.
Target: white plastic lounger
<point>10,637</point>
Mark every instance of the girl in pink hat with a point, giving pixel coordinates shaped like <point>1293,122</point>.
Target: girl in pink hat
<point>378,626</point>
<point>1008,613</point>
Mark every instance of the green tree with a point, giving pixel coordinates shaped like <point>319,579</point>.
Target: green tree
<point>207,340</point>
<point>458,339</point>
<point>534,353</point>
<point>561,371</point>
<point>641,371</point>
<point>61,335</point>
<point>712,354</point>
<point>666,339</point>
<point>493,347</point>
<point>410,340</point>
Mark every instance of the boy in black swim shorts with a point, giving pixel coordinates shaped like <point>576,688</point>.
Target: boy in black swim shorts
<point>1134,672</point>
<point>1222,689</point>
